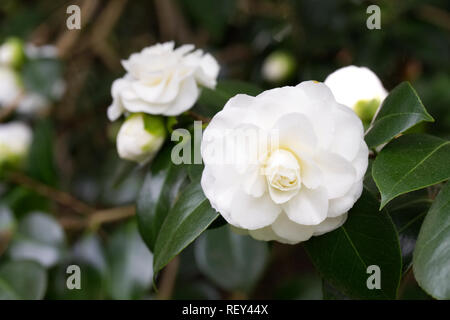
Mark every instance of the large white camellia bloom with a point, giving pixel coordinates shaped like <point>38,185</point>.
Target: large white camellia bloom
<point>358,88</point>
<point>308,169</point>
<point>15,140</point>
<point>140,137</point>
<point>162,80</point>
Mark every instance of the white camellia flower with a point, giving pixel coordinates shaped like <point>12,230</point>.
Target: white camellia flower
<point>358,88</point>
<point>15,140</point>
<point>308,169</point>
<point>162,80</point>
<point>140,137</point>
<point>10,87</point>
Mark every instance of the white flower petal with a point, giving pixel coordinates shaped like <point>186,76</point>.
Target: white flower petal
<point>291,231</point>
<point>253,213</point>
<point>342,204</point>
<point>348,133</point>
<point>308,207</point>
<point>330,224</point>
<point>295,133</point>
<point>338,174</point>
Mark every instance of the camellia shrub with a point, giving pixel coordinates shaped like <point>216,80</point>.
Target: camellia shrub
<point>171,177</point>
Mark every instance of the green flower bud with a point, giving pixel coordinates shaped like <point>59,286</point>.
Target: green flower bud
<point>279,66</point>
<point>366,109</point>
<point>12,53</point>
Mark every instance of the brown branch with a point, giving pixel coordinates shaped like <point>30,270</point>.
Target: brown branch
<point>168,280</point>
<point>197,116</point>
<point>110,215</point>
<point>97,218</point>
<point>57,196</point>
<point>434,15</point>
<point>101,30</point>
<point>9,109</point>
<point>69,38</point>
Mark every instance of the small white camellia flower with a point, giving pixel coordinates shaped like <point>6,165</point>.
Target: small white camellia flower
<point>15,140</point>
<point>140,137</point>
<point>357,88</point>
<point>10,87</point>
<point>306,173</point>
<point>162,80</point>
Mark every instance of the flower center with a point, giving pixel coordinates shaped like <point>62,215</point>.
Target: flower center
<point>282,171</point>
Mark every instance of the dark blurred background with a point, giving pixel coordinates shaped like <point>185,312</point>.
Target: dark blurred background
<point>317,37</point>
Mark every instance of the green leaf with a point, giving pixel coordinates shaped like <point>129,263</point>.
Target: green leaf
<point>218,14</point>
<point>401,110</point>
<point>367,238</point>
<point>189,217</point>
<point>130,272</point>
<point>41,164</point>
<point>234,262</point>
<point>43,76</point>
<point>409,163</point>
<point>89,255</point>
<point>157,195</point>
<point>407,213</point>
<point>431,261</point>
<point>22,280</point>
<point>39,238</point>
<point>212,101</point>
<point>7,227</point>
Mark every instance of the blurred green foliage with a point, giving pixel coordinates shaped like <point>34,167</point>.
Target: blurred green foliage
<point>74,150</point>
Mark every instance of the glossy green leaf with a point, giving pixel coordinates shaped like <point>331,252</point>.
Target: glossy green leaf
<point>157,194</point>
<point>43,76</point>
<point>212,101</point>
<point>22,280</point>
<point>188,218</point>
<point>39,238</point>
<point>129,272</point>
<point>234,262</point>
<point>401,110</point>
<point>41,165</point>
<point>407,213</point>
<point>367,238</point>
<point>410,163</point>
<point>431,261</point>
<point>88,254</point>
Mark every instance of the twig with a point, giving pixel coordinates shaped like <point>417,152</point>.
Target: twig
<point>198,116</point>
<point>168,280</point>
<point>97,218</point>
<point>434,15</point>
<point>8,110</point>
<point>110,215</point>
<point>58,196</point>
<point>68,38</point>
<point>102,28</point>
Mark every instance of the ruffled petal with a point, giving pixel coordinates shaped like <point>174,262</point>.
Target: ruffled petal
<point>308,207</point>
<point>253,213</point>
<point>290,231</point>
<point>330,224</point>
<point>338,174</point>
<point>348,133</point>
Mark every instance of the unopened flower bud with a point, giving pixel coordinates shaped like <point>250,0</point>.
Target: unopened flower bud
<point>140,137</point>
